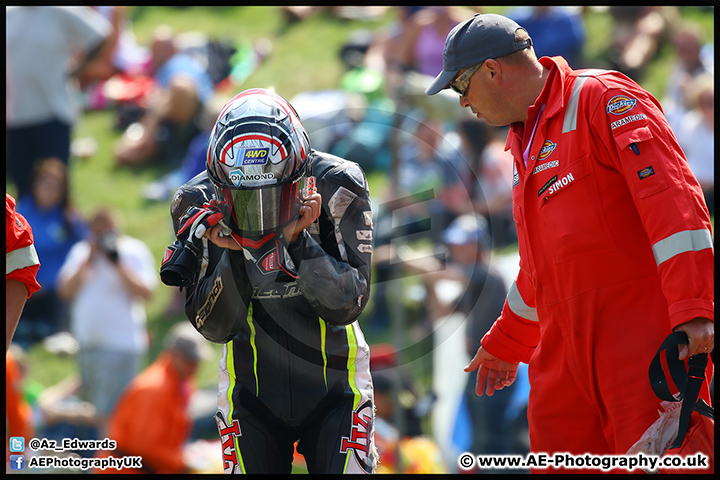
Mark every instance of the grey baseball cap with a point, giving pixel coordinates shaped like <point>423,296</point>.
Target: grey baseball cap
<point>474,41</point>
<point>468,228</point>
<point>184,339</point>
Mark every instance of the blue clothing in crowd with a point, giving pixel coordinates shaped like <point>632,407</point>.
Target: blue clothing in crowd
<point>196,156</point>
<point>185,64</point>
<point>52,239</point>
<point>45,314</point>
<point>555,31</point>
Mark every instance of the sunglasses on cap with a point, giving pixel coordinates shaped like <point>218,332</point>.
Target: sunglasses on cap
<point>461,83</point>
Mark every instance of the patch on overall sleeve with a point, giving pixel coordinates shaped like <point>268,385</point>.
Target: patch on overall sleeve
<point>646,172</point>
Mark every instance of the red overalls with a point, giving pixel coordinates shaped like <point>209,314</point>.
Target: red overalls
<point>616,250</point>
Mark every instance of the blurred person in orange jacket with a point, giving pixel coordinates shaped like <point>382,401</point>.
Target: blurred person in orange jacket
<point>151,419</point>
<point>18,413</point>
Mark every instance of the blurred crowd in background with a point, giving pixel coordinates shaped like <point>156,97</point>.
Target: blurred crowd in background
<point>446,209</point>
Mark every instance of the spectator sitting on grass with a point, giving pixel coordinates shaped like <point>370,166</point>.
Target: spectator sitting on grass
<point>171,122</point>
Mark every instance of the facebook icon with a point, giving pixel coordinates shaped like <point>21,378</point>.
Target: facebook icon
<point>17,462</point>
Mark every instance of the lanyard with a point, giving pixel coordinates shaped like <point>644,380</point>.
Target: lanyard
<point>532,135</point>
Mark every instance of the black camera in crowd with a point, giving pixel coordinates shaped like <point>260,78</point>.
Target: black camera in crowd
<point>108,244</point>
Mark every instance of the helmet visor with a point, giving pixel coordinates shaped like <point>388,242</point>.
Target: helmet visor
<point>265,209</point>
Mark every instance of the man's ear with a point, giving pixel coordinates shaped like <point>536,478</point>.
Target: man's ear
<point>493,67</point>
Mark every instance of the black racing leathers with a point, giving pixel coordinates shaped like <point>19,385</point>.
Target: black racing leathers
<point>288,315</point>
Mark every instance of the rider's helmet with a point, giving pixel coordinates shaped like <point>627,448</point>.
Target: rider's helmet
<point>257,162</point>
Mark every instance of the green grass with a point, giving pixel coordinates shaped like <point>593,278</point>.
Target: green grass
<point>305,56</point>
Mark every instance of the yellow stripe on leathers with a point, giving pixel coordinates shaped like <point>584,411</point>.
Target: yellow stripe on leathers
<point>323,334</point>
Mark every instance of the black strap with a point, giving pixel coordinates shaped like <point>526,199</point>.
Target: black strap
<point>687,381</point>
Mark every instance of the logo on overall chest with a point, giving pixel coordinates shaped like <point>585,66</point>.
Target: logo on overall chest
<point>646,172</point>
<point>626,120</point>
<point>547,148</point>
<point>620,104</point>
<point>545,166</point>
<point>554,184</point>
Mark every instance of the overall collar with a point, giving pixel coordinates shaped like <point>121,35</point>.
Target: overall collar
<point>552,94</point>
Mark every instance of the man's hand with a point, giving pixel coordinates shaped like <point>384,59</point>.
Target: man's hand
<point>197,221</point>
<point>309,212</point>
<point>701,336</point>
<point>215,235</point>
<point>180,261</point>
<point>498,373</point>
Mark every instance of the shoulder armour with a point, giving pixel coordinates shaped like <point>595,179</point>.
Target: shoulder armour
<point>339,172</point>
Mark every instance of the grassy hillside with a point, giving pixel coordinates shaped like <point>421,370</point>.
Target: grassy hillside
<point>305,56</point>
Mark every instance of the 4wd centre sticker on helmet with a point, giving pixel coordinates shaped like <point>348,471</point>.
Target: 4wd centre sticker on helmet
<point>254,156</point>
<point>620,104</point>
